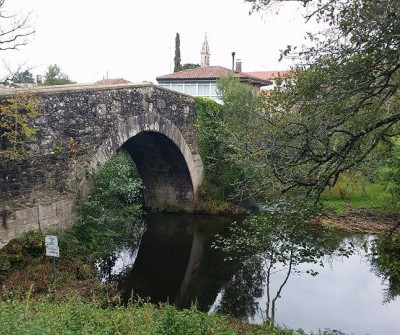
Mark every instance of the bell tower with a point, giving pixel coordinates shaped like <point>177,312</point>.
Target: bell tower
<point>205,53</point>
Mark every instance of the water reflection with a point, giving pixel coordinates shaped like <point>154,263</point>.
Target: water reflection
<point>385,260</point>
<point>175,263</point>
<point>240,296</point>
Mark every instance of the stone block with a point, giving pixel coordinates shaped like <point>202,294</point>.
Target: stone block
<point>28,213</point>
<point>4,232</point>
<point>47,211</point>
<point>52,222</point>
<point>30,226</point>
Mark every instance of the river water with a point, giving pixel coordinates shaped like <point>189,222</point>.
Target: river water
<point>174,261</point>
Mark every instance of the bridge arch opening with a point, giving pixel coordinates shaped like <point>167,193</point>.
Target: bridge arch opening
<point>163,169</point>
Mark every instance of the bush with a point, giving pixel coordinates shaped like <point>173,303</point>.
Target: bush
<point>73,317</point>
<point>113,207</point>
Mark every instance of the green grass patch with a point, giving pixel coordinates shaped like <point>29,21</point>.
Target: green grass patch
<point>354,195</point>
<point>75,317</point>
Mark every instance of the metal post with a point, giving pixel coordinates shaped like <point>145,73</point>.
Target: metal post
<point>54,268</point>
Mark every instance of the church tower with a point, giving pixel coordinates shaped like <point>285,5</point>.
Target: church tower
<point>205,53</point>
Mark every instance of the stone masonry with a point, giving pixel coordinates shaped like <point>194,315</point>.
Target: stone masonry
<point>79,128</point>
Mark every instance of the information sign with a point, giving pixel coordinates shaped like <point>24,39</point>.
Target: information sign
<point>52,251</point>
<point>51,241</point>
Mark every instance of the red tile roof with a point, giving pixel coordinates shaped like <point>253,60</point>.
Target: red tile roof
<point>270,75</point>
<point>211,72</point>
<point>112,81</point>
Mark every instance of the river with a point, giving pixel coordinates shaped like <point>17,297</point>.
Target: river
<point>174,261</point>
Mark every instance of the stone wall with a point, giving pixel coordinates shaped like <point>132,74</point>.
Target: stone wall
<point>59,215</point>
<point>79,128</point>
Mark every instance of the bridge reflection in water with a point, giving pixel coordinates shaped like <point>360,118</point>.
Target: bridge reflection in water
<point>174,261</point>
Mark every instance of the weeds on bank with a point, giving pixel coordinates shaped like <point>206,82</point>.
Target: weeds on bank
<point>76,317</point>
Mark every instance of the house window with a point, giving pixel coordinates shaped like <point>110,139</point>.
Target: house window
<point>166,85</point>
<point>204,90</point>
<point>214,90</point>
<point>190,89</point>
<point>177,87</point>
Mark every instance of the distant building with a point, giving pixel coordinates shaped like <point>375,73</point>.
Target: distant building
<point>112,81</point>
<point>277,78</point>
<point>202,81</point>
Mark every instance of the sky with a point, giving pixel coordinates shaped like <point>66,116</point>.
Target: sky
<point>135,40</point>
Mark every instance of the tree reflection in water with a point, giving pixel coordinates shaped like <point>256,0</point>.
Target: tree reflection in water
<point>240,295</point>
<point>385,262</point>
<point>279,239</point>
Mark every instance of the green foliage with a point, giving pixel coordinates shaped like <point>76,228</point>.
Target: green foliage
<point>226,140</point>
<point>219,170</point>
<point>177,58</point>
<point>242,131</point>
<point>114,203</point>
<point>23,77</point>
<point>375,183</point>
<point>189,66</point>
<point>372,195</point>
<point>390,172</point>
<point>54,76</point>
<point>19,252</point>
<point>340,104</point>
<point>211,199</point>
<point>16,115</point>
<point>172,322</point>
<point>58,147</point>
<point>74,317</point>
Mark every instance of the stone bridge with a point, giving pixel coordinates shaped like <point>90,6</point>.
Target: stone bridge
<point>79,129</point>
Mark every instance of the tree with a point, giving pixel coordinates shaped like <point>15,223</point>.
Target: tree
<point>343,98</point>
<point>15,31</point>
<point>113,204</point>
<point>226,134</point>
<point>54,76</point>
<point>177,58</point>
<point>188,66</point>
<point>23,77</point>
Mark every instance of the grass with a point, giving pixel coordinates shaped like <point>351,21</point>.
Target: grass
<point>76,317</point>
<point>354,196</point>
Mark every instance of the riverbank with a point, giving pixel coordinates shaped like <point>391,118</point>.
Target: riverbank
<point>360,221</point>
<point>76,317</point>
<point>77,302</point>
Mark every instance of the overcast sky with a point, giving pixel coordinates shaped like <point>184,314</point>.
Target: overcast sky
<point>135,40</point>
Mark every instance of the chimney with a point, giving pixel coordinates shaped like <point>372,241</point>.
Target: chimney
<point>39,79</point>
<point>239,65</point>
<point>233,61</point>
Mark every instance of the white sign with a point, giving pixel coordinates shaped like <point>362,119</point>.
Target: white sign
<point>52,251</point>
<point>51,241</point>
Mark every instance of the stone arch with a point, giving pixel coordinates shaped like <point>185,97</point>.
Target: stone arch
<point>156,129</point>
